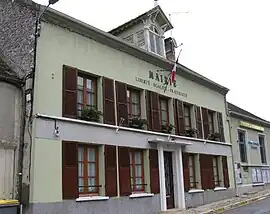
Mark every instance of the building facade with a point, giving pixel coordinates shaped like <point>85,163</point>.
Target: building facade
<point>249,137</point>
<point>107,138</point>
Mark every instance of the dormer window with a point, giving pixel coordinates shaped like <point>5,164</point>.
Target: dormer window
<point>155,41</point>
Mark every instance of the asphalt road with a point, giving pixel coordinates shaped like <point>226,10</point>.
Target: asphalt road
<point>259,207</point>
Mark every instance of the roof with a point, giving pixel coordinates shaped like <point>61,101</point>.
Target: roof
<point>140,18</point>
<point>6,73</point>
<point>74,25</point>
<point>237,111</point>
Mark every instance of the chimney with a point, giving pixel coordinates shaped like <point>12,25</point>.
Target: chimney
<point>170,45</point>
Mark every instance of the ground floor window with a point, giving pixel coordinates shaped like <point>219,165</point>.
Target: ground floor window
<point>192,175</point>
<point>137,170</point>
<point>88,170</point>
<point>216,171</point>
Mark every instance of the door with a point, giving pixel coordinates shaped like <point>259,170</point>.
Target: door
<point>169,179</point>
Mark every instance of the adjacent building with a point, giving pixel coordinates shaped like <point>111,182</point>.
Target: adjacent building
<point>249,137</point>
<point>10,129</point>
<point>17,30</point>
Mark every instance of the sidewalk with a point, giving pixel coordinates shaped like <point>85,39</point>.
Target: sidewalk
<point>224,205</point>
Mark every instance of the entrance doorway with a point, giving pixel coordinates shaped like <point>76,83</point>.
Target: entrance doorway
<point>169,179</point>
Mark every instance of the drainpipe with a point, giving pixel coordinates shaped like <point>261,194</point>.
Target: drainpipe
<point>21,148</point>
<point>230,134</point>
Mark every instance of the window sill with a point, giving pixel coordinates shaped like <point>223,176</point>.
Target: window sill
<point>220,188</point>
<point>258,184</point>
<point>92,198</point>
<point>195,191</point>
<point>141,195</point>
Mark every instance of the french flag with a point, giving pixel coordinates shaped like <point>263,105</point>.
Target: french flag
<point>173,75</point>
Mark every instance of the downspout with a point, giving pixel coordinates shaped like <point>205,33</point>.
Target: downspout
<point>32,94</point>
<point>21,147</point>
<point>230,134</point>
<point>23,121</point>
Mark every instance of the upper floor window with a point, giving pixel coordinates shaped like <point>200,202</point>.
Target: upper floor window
<point>133,99</point>
<point>242,145</point>
<point>86,93</point>
<point>155,41</point>
<point>164,112</point>
<point>136,170</point>
<point>187,115</point>
<point>262,148</point>
<point>211,121</point>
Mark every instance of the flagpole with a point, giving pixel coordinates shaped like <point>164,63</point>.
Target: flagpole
<point>169,76</point>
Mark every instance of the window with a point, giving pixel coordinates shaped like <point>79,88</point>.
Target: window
<point>187,116</point>
<point>155,41</point>
<point>262,148</point>
<point>88,170</point>
<point>211,121</point>
<point>257,175</point>
<point>136,170</point>
<point>242,146</point>
<point>216,171</point>
<point>164,112</point>
<point>133,99</point>
<point>86,93</point>
<point>192,176</point>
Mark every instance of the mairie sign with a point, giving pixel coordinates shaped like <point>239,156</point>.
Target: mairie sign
<point>157,80</point>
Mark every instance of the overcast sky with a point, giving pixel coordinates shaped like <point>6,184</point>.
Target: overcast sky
<point>227,41</point>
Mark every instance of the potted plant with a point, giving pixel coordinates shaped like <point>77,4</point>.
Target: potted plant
<point>214,136</point>
<point>137,122</point>
<point>91,114</point>
<point>167,128</point>
<point>191,132</point>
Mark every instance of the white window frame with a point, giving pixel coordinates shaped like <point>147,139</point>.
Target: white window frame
<point>155,41</point>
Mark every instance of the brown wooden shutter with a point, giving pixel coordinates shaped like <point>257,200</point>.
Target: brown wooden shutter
<point>205,122</point>
<point>148,110</point>
<point>110,171</point>
<point>179,116</point>
<point>69,170</point>
<point>108,101</point>
<point>207,171</point>
<point>225,172</point>
<point>154,171</point>
<point>121,97</point>
<point>220,127</point>
<point>124,171</point>
<point>153,111</point>
<point>186,171</point>
<point>198,121</point>
<point>69,105</point>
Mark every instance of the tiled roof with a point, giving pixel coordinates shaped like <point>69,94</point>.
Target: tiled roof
<point>6,72</point>
<point>239,110</point>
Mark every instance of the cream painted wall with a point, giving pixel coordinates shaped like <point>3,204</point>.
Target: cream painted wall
<point>47,174</point>
<point>58,46</point>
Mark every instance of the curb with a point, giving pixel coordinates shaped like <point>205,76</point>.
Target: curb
<point>236,205</point>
